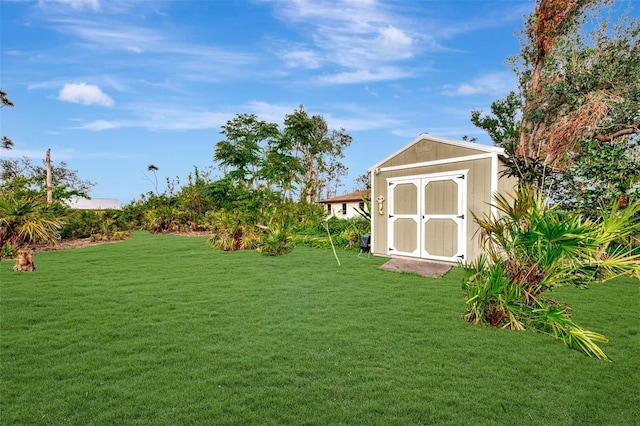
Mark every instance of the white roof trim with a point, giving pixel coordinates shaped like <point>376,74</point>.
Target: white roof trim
<point>440,139</point>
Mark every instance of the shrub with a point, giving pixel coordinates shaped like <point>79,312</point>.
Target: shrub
<point>8,251</point>
<point>274,240</point>
<point>231,231</point>
<point>532,249</point>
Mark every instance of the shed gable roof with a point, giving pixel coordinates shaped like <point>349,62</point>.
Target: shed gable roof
<point>438,139</point>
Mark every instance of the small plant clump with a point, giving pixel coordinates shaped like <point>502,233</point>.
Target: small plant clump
<point>532,249</point>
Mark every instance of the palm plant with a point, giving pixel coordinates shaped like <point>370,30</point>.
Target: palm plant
<point>532,248</point>
<point>26,220</point>
<point>231,231</point>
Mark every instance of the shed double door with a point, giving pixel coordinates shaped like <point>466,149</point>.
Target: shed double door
<point>427,216</point>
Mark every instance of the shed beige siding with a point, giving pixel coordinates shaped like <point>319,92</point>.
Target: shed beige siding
<point>481,165</point>
<point>427,152</point>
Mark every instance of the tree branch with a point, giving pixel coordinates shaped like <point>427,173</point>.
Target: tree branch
<point>634,128</point>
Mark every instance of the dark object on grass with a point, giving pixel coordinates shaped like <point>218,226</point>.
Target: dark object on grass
<point>365,244</point>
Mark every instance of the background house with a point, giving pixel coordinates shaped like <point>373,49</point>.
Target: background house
<point>423,197</point>
<point>94,204</point>
<point>344,206</point>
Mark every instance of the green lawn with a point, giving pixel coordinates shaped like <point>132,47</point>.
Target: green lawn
<point>163,330</point>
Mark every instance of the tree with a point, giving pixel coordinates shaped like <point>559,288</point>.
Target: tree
<point>334,174</point>
<point>23,177</point>
<point>578,95</point>
<point>318,148</point>
<point>576,117</point>
<point>153,169</point>
<point>282,167</point>
<point>362,182</point>
<point>576,85</point>
<point>6,143</point>
<point>242,154</point>
<point>502,125</point>
<point>601,174</point>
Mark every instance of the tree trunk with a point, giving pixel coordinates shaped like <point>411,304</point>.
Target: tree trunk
<point>24,261</point>
<point>49,178</point>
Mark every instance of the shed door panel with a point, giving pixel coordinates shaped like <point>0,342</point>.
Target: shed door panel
<point>404,217</point>
<point>443,227</point>
<point>426,217</point>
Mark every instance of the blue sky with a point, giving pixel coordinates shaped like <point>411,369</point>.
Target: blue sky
<point>113,86</point>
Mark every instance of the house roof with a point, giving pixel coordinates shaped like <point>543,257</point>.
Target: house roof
<point>354,196</point>
<point>440,139</point>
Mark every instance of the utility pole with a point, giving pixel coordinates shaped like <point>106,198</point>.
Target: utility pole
<point>47,162</point>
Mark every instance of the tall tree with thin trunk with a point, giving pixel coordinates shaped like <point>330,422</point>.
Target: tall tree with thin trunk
<point>242,154</point>
<point>47,163</point>
<point>318,148</point>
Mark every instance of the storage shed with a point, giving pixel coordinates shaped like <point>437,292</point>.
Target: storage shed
<point>423,196</point>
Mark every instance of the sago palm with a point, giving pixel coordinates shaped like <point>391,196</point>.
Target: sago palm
<point>532,248</point>
<point>25,220</point>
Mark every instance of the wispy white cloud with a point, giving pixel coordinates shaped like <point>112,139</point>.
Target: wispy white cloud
<point>156,117</point>
<point>492,84</point>
<point>362,37</point>
<point>366,75</point>
<point>454,132</point>
<point>98,125</point>
<point>156,50</point>
<point>83,93</point>
<point>20,153</point>
<point>74,4</point>
<point>159,117</point>
<point>272,112</point>
<point>109,34</point>
<point>367,39</point>
<point>368,121</point>
<point>301,58</point>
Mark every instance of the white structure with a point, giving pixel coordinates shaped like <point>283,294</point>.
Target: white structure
<point>94,204</point>
<point>344,206</point>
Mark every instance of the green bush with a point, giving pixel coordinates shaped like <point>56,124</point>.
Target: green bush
<point>275,240</point>
<point>8,251</point>
<point>231,231</point>
<point>533,249</point>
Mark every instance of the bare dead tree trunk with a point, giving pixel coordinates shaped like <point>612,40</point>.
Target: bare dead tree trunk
<point>49,178</point>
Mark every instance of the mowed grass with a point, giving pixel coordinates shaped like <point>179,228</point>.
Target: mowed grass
<point>163,330</point>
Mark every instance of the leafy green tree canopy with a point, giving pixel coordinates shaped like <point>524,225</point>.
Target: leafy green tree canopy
<point>319,150</point>
<point>305,155</point>
<point>243,152</point>
<point>576,84</point>
<point>22,177</point>
<point>578,95</point>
